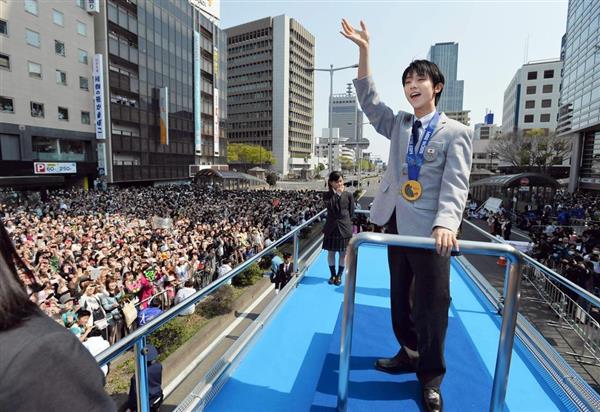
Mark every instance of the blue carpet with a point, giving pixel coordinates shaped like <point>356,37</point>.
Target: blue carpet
<point>466,387</point>
<point>293,366</point>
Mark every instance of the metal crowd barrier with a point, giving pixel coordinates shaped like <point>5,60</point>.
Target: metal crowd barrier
<point>551,287</point>
<point>509,318</point>
<point>137,339</point>
<point>570,314</point>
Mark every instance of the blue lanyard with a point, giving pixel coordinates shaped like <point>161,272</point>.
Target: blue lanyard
<point>415,161</point>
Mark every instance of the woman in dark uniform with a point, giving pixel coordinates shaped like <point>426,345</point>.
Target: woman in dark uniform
<point>338,226</point>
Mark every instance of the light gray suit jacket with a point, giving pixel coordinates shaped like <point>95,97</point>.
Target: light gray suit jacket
<point>444,175</point>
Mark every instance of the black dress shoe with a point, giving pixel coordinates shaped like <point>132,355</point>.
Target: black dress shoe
<point>338,281</point>
<point>331,280</point>
<point>400,363</point>
<point>432,400</point>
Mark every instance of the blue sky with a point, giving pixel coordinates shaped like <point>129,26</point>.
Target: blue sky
<point>491,34</point>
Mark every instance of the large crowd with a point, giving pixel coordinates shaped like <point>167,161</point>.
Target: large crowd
<point>98,254</point>
<point>564,233</point>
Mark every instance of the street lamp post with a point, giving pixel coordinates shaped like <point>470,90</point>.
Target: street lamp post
<point>331,70</point>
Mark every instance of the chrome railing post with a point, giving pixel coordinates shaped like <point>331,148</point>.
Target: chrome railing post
<point>507,334</point>
<point>296,251</point>
<point>141,375</point>
<point>347,324</point>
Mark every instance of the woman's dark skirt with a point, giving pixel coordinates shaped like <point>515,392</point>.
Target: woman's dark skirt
<point>334,242</point>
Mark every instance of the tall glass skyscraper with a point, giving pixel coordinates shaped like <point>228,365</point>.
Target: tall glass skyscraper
<point>579,114</point>
<point>445,55</point>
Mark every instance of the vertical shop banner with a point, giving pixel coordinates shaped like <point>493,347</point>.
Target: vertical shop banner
<point>98,75</point>
<point>163,103</point>
<point>197,96</point>
<point>216,101</point>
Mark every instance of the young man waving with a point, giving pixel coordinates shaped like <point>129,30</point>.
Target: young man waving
<point>423,193</point>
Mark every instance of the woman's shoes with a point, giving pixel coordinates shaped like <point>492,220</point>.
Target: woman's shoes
<point>331,280</point>
<point>338,280</point>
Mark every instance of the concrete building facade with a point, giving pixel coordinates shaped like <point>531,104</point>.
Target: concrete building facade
<point>46,111</point>
<point>531,98</point>
<point>270,92</point>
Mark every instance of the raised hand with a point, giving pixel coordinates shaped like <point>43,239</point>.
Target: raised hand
<point>360,37</point>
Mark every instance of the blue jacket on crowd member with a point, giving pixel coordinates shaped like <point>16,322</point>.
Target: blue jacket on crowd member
<point>563,218</point>
<point>152,311</point>
<point>155,392</point>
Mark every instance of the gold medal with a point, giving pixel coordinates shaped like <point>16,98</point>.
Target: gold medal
<point>411,190</point>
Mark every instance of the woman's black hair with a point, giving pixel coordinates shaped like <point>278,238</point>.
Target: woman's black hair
<point>15,305</point>
<point>334,176</point>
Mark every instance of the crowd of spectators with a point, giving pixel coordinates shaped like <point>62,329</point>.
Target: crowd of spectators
<point>564,233</point>
<point>98,253</point>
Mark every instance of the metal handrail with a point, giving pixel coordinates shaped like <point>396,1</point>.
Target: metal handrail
<point>137,338</point>
<point>510,310</point>
<point>557,277</point>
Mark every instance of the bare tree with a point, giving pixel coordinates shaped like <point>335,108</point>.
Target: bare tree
<point>533,149</point>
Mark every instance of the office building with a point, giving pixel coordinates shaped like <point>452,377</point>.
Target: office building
<point>461,116</point>
<point>485,131</point>
<point>162,67</point>
<point>270,92</point>
<point>347,116</point>
<point>46,113</point>
<point>445,56</point>
<point>531,98</point>
<point>579,114</point>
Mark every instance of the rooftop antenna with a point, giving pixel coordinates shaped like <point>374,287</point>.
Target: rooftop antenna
<point>349,89</point>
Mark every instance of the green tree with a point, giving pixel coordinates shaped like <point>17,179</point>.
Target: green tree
<point>347,164</point>
<point>249,154</point>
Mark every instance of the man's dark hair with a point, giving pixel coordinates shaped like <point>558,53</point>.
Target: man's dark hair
<point>427,69</point>
<point>83,312</point>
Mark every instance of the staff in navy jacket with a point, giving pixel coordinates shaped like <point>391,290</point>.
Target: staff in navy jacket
<point>338,226</point>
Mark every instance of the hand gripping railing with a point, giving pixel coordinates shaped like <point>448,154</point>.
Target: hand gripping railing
<point>137,339</point>
<point>509,319</point>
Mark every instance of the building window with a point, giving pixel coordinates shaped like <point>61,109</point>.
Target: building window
<point>85,117</point>
<point>6,105</point>
<point>58,18</point>
<point>63,113</point>
<point>59,48</point>
<point>35,70</point>
<point>4,61</point>
<point>83,56</point>
<point>3,27</point>
<point>81,28</point>
<point>61,77</point>
<point>545,118</point>
<point>37,109</point>
<point>84,83</point>
<point>33,38</point>
<point>80,4</point>
<point>529,104</point>
<point>528,118</point>
<point>530,89</point>
<point>531,75</point>
<point>547,88</point>
<point>31,6</point>
<point>10,147</point>
<point>546,102</point>
<point>548,74</point>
